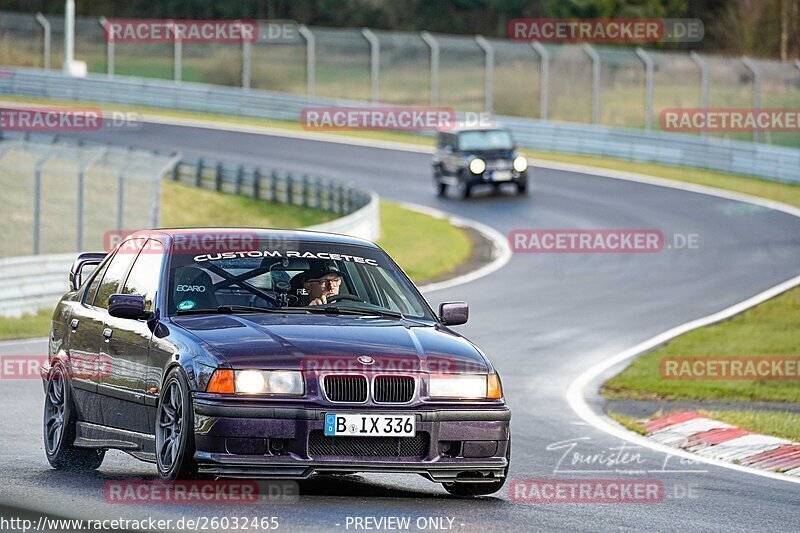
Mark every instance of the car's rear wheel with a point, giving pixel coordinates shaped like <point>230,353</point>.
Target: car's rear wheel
<point>480,489</point>
<point>175,429</point>
<point>60,417</point>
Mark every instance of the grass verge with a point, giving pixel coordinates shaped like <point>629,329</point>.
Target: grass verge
<point>769,329</point>
<point>783,425</point>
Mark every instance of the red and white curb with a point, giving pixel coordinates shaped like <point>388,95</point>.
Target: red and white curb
<point>698,434</point>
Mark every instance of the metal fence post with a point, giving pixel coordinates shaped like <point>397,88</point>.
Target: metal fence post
<point>245,64</point>
<point>311,59</point>
<point>703,66</point>
<point>595,57</point>
<point>239,179</point>
<point>648,65</point>
<point>198,174</point>
<point>753,67</point>
<point>289,188</point>
<point>45,24</point>
<point>257,183</point>
<point>304,199</point>
<point>109,46</point>
<point>318,186</point>
<point>431,41</point>
<point>489,82</point>
<point>374,61</point>
<point>544,77</point>
<point>178,52</point>
<point>37,204</point>
<point>218,177</point>
<point>273,186</point>
<point>120,199</point>
<point>80,207</point>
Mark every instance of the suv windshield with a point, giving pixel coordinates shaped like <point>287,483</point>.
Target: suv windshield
<point>485,140</point>
<point>296,274</point>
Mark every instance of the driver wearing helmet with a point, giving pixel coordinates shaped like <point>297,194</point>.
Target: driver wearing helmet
<point>321,283</point>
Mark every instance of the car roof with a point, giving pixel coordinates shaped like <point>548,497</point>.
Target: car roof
<point>263,233</point>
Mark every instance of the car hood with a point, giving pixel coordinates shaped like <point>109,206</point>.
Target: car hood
<point>490,154</point>
<point>333,343</point>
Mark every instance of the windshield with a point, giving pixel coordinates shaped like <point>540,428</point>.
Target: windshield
<point>485,140</point>
<point>309,275</point>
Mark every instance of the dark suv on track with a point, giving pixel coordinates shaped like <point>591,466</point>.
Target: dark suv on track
<point>465,158</point>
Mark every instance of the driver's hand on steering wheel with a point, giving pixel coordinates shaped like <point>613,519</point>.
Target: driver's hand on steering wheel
<point>322,300</point>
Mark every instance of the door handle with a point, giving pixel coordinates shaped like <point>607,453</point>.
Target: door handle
<point>74,324</point>
<point>107,333</point>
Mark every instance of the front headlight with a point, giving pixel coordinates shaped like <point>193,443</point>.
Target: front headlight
<point>288,382</point>
<point>457,386</point>
<point>477,165</point>
<point>520,164</point>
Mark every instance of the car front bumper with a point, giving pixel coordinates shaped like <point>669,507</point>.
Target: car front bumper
<point>464,445</point>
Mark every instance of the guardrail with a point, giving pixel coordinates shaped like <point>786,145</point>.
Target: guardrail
<point>758,160</point>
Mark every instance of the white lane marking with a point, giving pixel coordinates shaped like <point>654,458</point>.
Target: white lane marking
<point>16,342</point>
<point>500,249</point>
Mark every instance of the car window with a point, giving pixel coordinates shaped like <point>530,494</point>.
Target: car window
<point>91,290</point>
<point>114,273</point>
<point>485,140</point>
<point>145,273</point>
<point>295,274</point>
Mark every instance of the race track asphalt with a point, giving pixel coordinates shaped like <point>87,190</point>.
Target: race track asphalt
<point>543,319</point>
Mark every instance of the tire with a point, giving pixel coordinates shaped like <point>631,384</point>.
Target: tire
<point>464,189</point>
<point>58,427</point>
<point>175,429</point>
<point>441,189</point>
<point>522,188</point>
<point>480,489</point>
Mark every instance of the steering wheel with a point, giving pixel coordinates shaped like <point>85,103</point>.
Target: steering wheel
<point>336,298</point>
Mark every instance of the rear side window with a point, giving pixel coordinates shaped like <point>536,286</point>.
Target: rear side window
<point>91,291</point>
<point>113,275</point>
<point>145,273</point>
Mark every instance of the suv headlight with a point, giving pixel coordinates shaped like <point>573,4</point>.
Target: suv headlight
<point>520,163</point>
<point>477,165</point>
<point>465,386</point>
<point>287,382</point>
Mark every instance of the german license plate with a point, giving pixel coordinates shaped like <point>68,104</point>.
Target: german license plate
<point>357,425</point>
<point>501,175</point>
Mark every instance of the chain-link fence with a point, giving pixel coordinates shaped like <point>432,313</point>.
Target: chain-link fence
<point>614,86</point>
<point>61,197</point>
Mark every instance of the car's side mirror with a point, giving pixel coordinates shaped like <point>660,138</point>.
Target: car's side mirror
<point>81,262</point>
<point>454,313</point>
<point>126,306</point>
